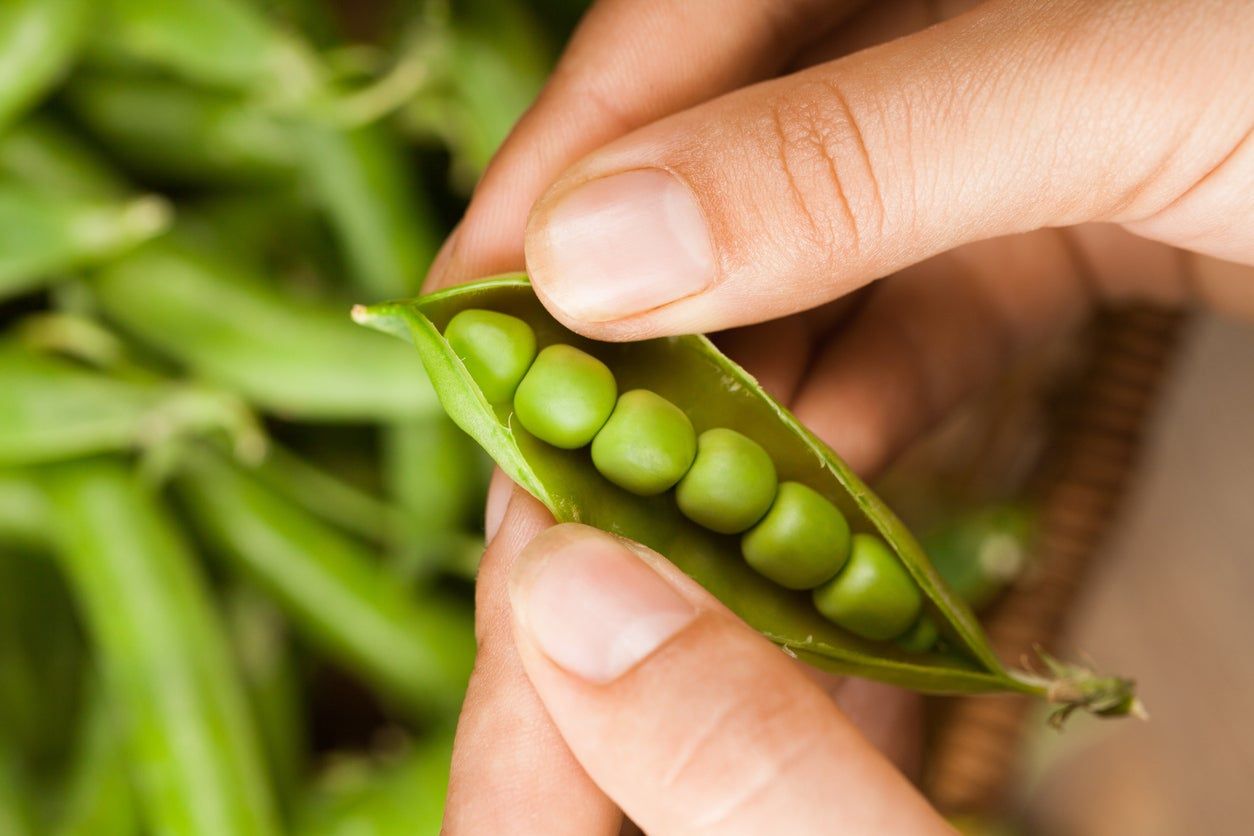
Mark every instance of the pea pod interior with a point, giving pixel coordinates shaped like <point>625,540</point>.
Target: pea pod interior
<point>714,392</point>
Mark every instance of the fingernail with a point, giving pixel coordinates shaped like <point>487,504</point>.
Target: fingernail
<point>500,491</point>
<point>622,245</point>
<point>591,604</point>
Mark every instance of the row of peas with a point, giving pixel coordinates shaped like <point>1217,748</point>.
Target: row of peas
<point>723,480</point>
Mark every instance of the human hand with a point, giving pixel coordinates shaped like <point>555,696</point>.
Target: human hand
<point>1009,168</point>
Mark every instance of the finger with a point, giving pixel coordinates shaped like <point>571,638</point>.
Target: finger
<point>789,193</point>
<point>629,63</point>
<point>511,770</point>
<point>930,336</point>
<point>682,714</point>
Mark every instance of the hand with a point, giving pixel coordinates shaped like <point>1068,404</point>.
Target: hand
<point>1006,169</point>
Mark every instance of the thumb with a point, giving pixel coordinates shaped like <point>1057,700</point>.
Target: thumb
<point>790,193</point>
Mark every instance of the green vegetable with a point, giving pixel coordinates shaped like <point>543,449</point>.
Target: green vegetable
<point>183,134</point>
<point>16,817</point>
<point>227,325</point>
<point>43,154</point>
<point>714,393</point>
<point>565,397</point>
<point>416,650</point>
<point>164,657</point>
<point>731,483</point>
<point>39,40</point>
<point>646,446</point>
<point>497,350</point>
<point>402,798</point>
<point>921,638</point>
<point>802,541</point>
<point>374,206</point>
<point>53,410</point>
<point>24,517</point>
<point>44,235</point>
<point>99,798</point>
<point>873,596</point>
<point>225,43</point>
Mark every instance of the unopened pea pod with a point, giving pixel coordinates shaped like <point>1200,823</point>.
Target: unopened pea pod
<point>401,798</point>
<point>39,40</point>
<point>170,131</point>
<point>716,393</point>
<point>163,654</point>
<point>375,207</point>
<point>229,326</point>
<point>43,235</point>
<point>99,797</point>
<point>23,510</point>
<point>223,43</point>
<point>41,153</point>
<point>415,651</point>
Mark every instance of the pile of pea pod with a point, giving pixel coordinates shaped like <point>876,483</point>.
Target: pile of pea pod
<point>237,531</point>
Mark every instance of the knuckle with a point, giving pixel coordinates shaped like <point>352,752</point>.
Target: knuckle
<point>829,171</point>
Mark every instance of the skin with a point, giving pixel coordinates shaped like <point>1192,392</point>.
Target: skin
<point>921,191</point>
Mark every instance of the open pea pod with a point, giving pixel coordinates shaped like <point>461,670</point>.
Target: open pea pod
<point>715,392</point>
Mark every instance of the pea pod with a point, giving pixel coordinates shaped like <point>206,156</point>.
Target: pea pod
<point>39,40</point>
<point>186,135</point>
<point>99,797</point>
<point>716,393</point>
<point>164,656</point>
<point>228,325</point>
<point>416,651</point>
<point>53,410</point>
<point>43,235</point>
<point>16,816</point>
<point>403,798</point>
<point>223,43</point>
<point>41,153</point>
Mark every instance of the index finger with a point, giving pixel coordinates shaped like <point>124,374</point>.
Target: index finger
<point>629,63</point>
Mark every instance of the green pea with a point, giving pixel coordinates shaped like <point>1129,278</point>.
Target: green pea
<point>565,397</point>
<point>496,348</point>
<point>730,485</point>
<point>873,596</point>
<point>922,636</point>
<point>801,542</point>
<point>647,445</point>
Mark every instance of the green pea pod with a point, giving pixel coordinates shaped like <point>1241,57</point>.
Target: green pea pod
<point>43,234</point>
<point>170,131</point>
<point>23,510</point>
<point>41,661</point>
<point>39,152</point>
<point>99,797</point>
<point>715,392</point>
<point>372,202</point>
<point>268,663</point>
<point>436,476</point>
<point>232,328</point>
<point>163,654</point>
<point>39,40</point>
<point>52,410</point>
<point>404,798</point>
<point>223,43</point>
<point>16,816</point>
<point>416,651</point>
